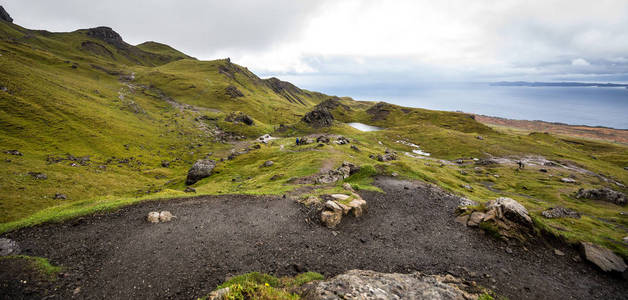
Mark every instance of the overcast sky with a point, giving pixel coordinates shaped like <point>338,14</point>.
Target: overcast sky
<point>364,42</point>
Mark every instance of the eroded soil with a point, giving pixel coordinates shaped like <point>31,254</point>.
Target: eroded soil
<point>409,228</point>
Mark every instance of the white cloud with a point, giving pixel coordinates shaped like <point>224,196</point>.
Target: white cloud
<point>580,62</point>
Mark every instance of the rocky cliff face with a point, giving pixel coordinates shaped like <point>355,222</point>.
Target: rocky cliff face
<point>106,34</point>
<point>4,15</point>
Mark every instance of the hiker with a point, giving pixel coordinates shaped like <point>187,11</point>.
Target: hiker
<point>297,141</point>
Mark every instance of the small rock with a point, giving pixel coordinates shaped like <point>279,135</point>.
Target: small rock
<point>153,217</point>
<point>276,177</point>
<point>394,174</point>
<point>355,148</point>
<point>347,186</point>
<point>268,163</point>
<point>220,294</point>
<point>190,189</point>
<point>165,163</point>
<point>8,247</point>
<point>604,258</point>
<point>165,216</point>
<point>38,175</point>
<point>568,180</point>
<point>559,253</point>
<point>340,197</point>
<point>462,219</point>
<point>14,152</point>
<point>479,137</point>
<point>59,196</point>
<point>331,219</point>
<point>466,202</point>
<point>358,207</point>
<point>543,170</point>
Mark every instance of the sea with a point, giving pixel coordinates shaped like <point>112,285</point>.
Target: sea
<point>591,106</point>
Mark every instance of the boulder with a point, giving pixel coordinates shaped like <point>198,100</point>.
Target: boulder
<point>8,246</point>
<point>239,117</point>
<point>475,218</point>
<point>360,284</point>
<point>202,168</point>
<point>220,294</point>
<point>355,148</point>
<point>153,217</point>
<point>560,212</point>
<point>4,15</point>
<point>331,219</point>
<point>322,139</point>
<point>602,257</point>
<point>319,117</point>
<point>358,207</point>
<point>165,216</point>
<point>387,156</point>
<point>567,180</point>
<point>466,202</point>
<point>602,194</point>
<point>511,210</point>
<point>268,163</point>
<point>13,152</point>
<point>233,92</point>
<point>190,189</point>
<point>38,175</point>
<point>59,196</point>
<point>341,140</point>
<point>165,163</point>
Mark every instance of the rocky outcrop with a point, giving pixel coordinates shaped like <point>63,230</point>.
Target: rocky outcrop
<point>387,156</point>
<point>4,15</point>
<point>332,103</point>
<point>602,194</point>
<point>604,258</point>
<point>202,168</point>
<point>233,92</point>
<point>319,117</point>
<point>239,117</point>
<point>504,216</point>
<point>340,205</point>
<point>107,35</point>
<point>380,111</point>
<point>345,170</point>
<point>560,212</point>
<point>360,284</point>
<point>286,90</point>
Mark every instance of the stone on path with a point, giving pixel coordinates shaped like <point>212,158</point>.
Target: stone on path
<point>604,258</point>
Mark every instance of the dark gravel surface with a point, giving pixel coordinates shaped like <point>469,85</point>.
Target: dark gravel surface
<point>409,228</point>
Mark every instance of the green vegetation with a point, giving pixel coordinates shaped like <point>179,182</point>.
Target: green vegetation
<point>255,285</point>
<point>38,264</point>
<point>113,125</point>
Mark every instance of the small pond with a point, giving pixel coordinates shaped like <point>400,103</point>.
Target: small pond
<point>364,127</point>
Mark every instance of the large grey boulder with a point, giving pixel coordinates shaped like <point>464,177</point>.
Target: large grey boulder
<point>510,209</point>
<point>4,15</point>
<point>319,117</point>
<point>202,168</point>
<point>360,284</point>
<point>604,258</point>
<point>602,194</point>
<point>8,247</point>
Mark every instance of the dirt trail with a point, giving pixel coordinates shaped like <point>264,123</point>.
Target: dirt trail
<point>410,228</point>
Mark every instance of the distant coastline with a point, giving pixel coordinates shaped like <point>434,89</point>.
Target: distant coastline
<point>557,84</point>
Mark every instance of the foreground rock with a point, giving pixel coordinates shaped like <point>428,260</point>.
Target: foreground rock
<point>359,284</point>
<point>503,215</point>
<point>8,247</point>
<point>156,217</point>
<point>202,168</point>
<point>341,205</point>
<point>604,258</point>
<point>602,194</point>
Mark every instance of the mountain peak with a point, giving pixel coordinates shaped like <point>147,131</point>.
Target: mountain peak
<point>4,15</point>
<point>106,34</point>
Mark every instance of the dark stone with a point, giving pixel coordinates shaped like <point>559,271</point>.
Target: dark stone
<point>233,92</point>
<point>268,163</point>
<point>241,117</point>
<point>354,147</point>
<point>59,196</point>
<point>201,169</point>
<point>543,170</point>
<point>14,152</point>
<point>319,117</point>
<point>4,15</point>
<point>276,177</point>
<point>322,139</point>
<point>190,189</point>
<point>165,163</point>
<point>38,175</point>
<point>106,34</point>
<point>603,194</point>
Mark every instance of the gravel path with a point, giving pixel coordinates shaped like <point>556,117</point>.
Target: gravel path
<point>409,228</point>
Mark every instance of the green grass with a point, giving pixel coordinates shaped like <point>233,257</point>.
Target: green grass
<point>52,109</point>
<point>256,285</point>
<point>38,264</point>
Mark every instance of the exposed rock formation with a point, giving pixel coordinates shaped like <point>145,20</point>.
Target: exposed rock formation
<point>7,246</point>
<point>560,212</point>
<point>233,92</point>
<point>4,15</point>
<point>239,117</point>
<point>511,210</point>
<point>503,215</point>
<point>604,258</point>
<point>359,284</point>
<point>107,35</point>
<point>345,170</point>
<point>319,117</point>
<point>602,194</point>
<point>202,168</point>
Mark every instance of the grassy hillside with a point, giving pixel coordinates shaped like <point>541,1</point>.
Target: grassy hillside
<point>110,124</point>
